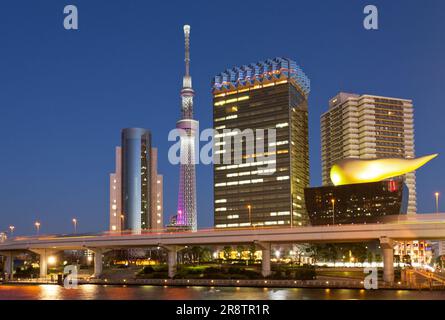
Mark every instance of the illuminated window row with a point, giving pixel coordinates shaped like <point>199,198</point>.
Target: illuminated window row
<point>280,213</point>
<point>231,225</point>
<point>223,102</point>
<point>243,165</point>
<point>221,201</point>
<point>221,209</point>
<point>233,216</point>
<point>235,183</point>
<point>257,86</point>
<point>226,134</point>
<point>246,173</point>
<point>278,143</point>
<point>245,224</point>
<point>283,178</point>
<point>265,154</point>
<point>282,125</point>
<point>233,116</point>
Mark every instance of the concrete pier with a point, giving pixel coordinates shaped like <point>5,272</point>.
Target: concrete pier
<point>98,262</point>
<point>265,256</point>
<point>387,246</point>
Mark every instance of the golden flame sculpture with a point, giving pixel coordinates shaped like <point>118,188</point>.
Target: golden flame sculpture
<point>353,170</point>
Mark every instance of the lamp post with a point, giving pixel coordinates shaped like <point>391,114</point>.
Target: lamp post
<point>37,224</point>
<point>436,194</point>
<point>12,230</point>
<point>122,222</point>
<point>333,211</point>
<point>250,214</point>
<point>75,225</point>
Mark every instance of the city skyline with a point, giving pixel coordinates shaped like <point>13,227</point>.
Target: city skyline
<point>129,99</point>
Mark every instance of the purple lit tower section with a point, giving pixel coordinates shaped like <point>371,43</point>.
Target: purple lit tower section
<point>187,215</point>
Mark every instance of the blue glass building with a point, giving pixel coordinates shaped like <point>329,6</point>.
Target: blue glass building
<point>136,179</point>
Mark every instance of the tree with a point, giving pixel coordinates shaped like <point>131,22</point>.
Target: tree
<point>359,251</point>
<point>240,250</point>
<point>252,251</point>
<point>227,250</point>
<point>205,254</point>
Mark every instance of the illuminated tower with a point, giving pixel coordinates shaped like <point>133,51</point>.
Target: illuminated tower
<point>186,214</point>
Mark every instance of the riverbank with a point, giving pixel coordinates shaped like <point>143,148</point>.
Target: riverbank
<point>201,293</point>
<point>315,284</point>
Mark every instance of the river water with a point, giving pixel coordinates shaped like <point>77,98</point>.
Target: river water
<point>108,292</point>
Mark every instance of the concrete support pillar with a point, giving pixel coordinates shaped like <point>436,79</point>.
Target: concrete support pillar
<point>43,261</point>
<point>43,264</point>
<point>172,262</point>
<point>387,246</point>
<point>98,262</point>
<point>8,267</point>
<point>265,256</point>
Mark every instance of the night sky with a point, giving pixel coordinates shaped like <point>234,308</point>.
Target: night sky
<point>65,95</point>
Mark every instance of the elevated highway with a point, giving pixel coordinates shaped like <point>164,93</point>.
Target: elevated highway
<point>418,227</point>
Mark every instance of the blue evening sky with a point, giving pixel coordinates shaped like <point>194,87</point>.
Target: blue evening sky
<point>65,95</point>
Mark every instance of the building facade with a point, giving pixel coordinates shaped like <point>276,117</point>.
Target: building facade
<point>115,205</point>
<point>356,203</point>
<point>416,253</point>
<point>156,193</point>
<point>135,186</point>
<point>367,127</point>
<point>261,186</point>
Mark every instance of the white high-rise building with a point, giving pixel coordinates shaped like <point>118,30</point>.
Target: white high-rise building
<point>156,193</point>
<point>367,127</point>
<point>153,185</point>
<point>115,206</point>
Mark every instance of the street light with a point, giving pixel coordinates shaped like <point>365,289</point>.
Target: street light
<point>122,222</point>
<point>250,213</point>
<point>52,260</point>
<point>37,224</point>
<point>333,210</point>
<point>12,230</point>
<point>277,254</point>
<point>75,225</point>
<point>437,201</point>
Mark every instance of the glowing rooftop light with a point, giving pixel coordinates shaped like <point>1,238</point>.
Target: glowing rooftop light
<point>349,171</point>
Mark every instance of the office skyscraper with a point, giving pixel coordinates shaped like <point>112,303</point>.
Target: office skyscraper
<point>270,94</point>
<point>367,127</point>
<point>135,194</point>
<point>187,212</point>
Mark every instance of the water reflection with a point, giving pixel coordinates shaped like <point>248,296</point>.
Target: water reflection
<point>50,292</point>
<point>110,292</point>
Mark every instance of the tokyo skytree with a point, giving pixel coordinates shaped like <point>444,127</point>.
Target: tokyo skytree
<point>186,214</point>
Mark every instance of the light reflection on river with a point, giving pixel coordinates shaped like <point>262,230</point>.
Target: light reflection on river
<point>107,292</point>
